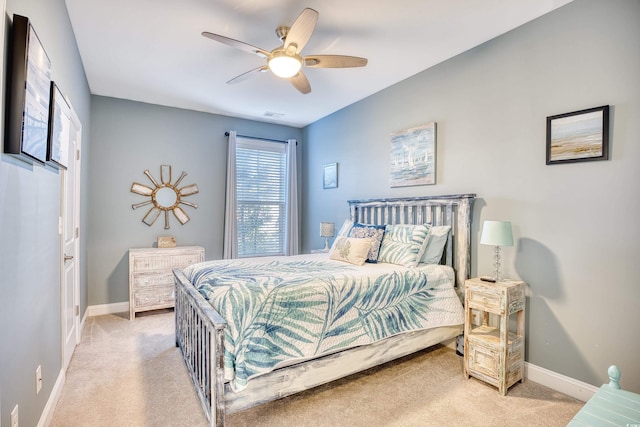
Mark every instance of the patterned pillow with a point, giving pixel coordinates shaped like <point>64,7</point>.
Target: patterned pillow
<point>404,244</point>
<point>350,249</point>
<point>435,245</point>
<point>374,232</point>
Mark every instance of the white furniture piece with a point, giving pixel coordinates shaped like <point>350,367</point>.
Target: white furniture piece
<point>151,284</point>
<point>494,354</point>
<point>610,406</point>
<point>200,328</point>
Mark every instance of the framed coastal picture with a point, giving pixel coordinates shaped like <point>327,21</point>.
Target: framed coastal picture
<point>59,129</point>
<point>29,86</point>
<point>330,176</point>
<point>579,136</point>
<point>413,156</point>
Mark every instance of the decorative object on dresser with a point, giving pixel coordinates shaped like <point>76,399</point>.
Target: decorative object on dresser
<point>494,354</point>
<point>201,331</point>
<point>165,197</point>
<point>330,175</point>
<point>28,94</point>
<point>166,241</point>
<point>327,229</point>
<point>413,156</point>
<point>579,136</point>
<point>151,284</point>
<point>610,406</point>
<point>496,233</point>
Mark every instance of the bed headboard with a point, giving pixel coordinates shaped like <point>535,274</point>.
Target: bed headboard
<point>454,210</point>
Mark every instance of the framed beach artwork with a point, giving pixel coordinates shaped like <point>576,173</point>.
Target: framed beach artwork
<point>29,86</point>
<point>413,156</point>
<point>580,136</point>
<point>330,176</point>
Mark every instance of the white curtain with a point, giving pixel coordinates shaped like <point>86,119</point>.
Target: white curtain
<point>230,245</point>
<point>291,245</point>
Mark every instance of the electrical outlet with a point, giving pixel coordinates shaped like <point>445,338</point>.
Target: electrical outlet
<point>38,379</point>
<point>14,417</point>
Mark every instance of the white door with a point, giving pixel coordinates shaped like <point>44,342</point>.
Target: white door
<point>70,216</point>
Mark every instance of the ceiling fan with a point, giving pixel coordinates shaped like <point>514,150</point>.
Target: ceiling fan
<point>286,61</point>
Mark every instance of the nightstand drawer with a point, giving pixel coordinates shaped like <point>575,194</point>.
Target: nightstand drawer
<point>488,301</point>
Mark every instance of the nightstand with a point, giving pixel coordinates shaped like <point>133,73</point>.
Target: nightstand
<point>494,354</point>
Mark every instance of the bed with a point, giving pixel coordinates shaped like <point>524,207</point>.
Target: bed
<point>238,356</point>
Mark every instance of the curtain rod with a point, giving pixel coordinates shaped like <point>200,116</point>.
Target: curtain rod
<point>255,137</point>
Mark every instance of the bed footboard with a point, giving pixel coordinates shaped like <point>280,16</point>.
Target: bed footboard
<point>200,337</point>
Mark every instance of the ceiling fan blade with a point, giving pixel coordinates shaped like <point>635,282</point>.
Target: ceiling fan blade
<point>301,30</point>
<point>237,44</point>
<point>248,74</point>
<point>334,61</point>
<point>300,82</point>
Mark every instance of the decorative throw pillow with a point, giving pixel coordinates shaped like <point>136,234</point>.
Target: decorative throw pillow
<point>350,249</point>
<point>404,244</point>
<point>344,230</point>
<point>435,245</point>
<point>374,232</point>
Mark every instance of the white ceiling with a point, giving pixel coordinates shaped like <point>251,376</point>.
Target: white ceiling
<point>152,50</point>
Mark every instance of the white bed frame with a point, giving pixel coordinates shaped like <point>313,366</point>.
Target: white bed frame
<point>200,329</point>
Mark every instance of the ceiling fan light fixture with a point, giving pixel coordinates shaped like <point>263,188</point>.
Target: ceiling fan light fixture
<point>284,65</point>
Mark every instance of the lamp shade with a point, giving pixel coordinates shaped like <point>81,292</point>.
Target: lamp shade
<point>327,229</point>
<point>497,233</point>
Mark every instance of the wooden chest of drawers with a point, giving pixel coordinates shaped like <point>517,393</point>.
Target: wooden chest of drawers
<point>494,354</point>
<point>151,284</point>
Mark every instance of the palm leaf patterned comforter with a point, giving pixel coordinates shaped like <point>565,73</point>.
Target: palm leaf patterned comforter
<point>283,310</point>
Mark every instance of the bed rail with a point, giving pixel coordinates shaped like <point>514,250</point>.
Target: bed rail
<point>200,335</point>
<point>454,210</point>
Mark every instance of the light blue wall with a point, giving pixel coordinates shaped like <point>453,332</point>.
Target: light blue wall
<point>576,224</point>
<point>129,137</point>
<point>29,241</point>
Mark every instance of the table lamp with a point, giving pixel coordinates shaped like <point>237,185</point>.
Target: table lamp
<point>327,229</point>
<point>497,233</point>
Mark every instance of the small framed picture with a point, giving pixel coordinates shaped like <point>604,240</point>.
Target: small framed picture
<point>330,176</point>
<point>580,136</point>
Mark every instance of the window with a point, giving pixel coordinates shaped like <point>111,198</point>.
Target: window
<point>261,186</point>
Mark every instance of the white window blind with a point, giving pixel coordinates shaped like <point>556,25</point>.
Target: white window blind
<point>261,196</point>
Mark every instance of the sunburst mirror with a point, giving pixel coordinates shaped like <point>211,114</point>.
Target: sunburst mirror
<point>165,197</point>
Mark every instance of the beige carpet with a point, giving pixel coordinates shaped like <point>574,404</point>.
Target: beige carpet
<point>129,373</point>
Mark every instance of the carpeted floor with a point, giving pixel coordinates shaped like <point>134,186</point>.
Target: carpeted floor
<point>129,373</point>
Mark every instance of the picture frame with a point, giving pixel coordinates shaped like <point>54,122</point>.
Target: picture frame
<point>59,129</point>
<point>413,156</point>
<point>579,136</point>
<point>29,88</point>
<point>330,176</point>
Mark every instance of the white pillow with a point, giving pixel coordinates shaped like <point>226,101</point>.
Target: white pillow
<point>435,244</point>
<point>350,249</point>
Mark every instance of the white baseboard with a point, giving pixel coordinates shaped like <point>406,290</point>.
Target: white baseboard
<point>49,408</point>
<point>569,386</point>
<point>100,309</point>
